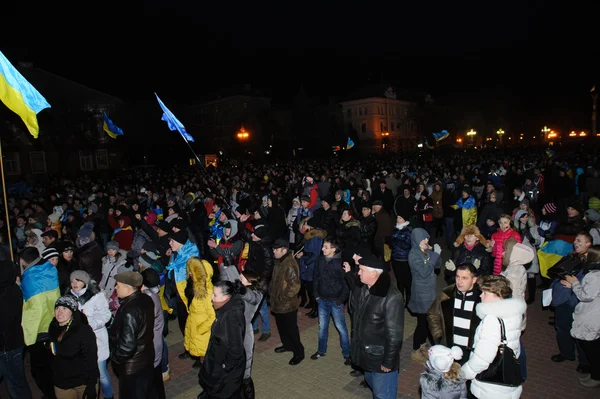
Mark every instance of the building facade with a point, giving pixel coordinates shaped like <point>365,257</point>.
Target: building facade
<point>381,123</point>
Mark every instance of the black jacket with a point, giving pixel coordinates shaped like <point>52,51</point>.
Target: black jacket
<point>225,362</point>
<point>328,280</point>
<point>75,360</point>
<point>328,220</point>
<point>260,253</point>
<point>462,255</point>
<point>132,333</point>
<point>89,259</point>
<point>377,325</point>
<point>11,311</point>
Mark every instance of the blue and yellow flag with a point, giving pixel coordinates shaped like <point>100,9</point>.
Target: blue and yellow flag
<point>551,252</point>
<point>441,135</point>
<point>39,285</point>
<point>350,143</point>
<point>173,122</point>
<point>550,152</point>
<point>20,96</point>
<point>110,128</point>
<point>177,267</point>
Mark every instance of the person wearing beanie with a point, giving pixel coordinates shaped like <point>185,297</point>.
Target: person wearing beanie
<point>92,302</point>
<point>147,260</point>
<point>182,249</point>
<point>88,251</point>
<point>379,318</point>
<point>134,322</point>
<point>74,351</point>
<point>114,262</point>
<point>441,378</point>
<point>151,287</point>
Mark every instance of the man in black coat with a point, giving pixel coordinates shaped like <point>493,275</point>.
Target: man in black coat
<point>131,339</point>
<point>377,326</point>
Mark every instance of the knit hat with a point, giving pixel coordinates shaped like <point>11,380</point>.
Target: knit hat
<point>149,246</point>
<point>520,214</point>
<point>133,279</point>
<point>260,231</point>
<point>147,259</point>
<point>49,252</point>
<point>550,207</point>
<point>86,230</point>
<point>594,203</point>
<point>150,278</point>
<point>441,358</point>
<point>67,301</point>
<point>112,245</point>
<point>80,275</point>
<point>181,237</point>
<point>591,214</point>
<point>373,262</point>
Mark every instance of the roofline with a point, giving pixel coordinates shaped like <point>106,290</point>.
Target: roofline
<point>219,100</point>
<point>116,99</point>
<point>382,99</point>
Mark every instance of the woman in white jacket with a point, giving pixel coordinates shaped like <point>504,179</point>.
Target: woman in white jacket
<point>113,263</point>
<point>496,303</point>
<point>94,305</point>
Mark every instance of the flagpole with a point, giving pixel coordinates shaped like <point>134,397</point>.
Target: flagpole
<point>194,152</point>
<point>12,258</point>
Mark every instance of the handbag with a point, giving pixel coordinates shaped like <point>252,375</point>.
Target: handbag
<point>567,265</point>
<point>505,369</point>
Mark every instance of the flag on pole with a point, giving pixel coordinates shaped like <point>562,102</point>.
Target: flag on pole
<point>550,153</point>
<point>20,96</point>
<point>427,144</point>
<point>441,135</point>
<point>173,122</point>
<point>350,143</point>
<point>110,128</point>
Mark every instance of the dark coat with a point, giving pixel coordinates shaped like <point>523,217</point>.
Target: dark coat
<point>11,311</point>
<point>377,325</point>
<point>329,283</point>
<point>75,360</point>
<point>89,259</point>
<point>132,333</point>
<point>260,253</point>
<point>225,362</point>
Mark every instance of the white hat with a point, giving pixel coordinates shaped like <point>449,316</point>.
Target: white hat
<point>441,357</point>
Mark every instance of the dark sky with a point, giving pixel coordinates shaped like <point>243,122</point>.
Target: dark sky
<point>534,59</point>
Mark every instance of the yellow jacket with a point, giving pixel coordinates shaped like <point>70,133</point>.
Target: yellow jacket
<point>201,313</point>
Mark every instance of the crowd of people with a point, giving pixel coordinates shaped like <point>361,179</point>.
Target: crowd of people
<point>105,265</point>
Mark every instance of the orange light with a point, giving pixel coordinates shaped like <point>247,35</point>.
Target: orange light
<point>572,134</point>
<point>552,135</point>
<point>459,140</point>
<point>582,134</point>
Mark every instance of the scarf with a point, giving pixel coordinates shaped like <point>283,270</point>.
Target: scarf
<point>128,228</point>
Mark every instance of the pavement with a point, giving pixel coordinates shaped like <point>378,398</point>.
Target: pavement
<point>328,378</point>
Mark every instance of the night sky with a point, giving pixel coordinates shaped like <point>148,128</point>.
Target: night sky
<point>533,62</point>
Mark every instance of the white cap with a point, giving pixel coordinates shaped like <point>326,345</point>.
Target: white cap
<point>441,358</point>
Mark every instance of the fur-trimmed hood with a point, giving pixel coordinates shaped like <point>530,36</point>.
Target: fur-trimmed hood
<point>466,230</point>
<point>434,381</point>
<point>315,232</point>
<point>501,309</point>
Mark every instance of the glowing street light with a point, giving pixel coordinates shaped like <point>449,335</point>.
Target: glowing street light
<point>500,134</point>
<point>243,134</point>
<point>471,133</point>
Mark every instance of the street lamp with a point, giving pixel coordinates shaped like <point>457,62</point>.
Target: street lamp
<point>500,134</point>
<point>545,132</point>
<point>243,134</point>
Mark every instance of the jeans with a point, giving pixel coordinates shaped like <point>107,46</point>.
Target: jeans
<point>568,346</point>
<point>105,383</point>
<point>523,360</point>
<point>164,363</point>
<point>13,373</point>
<point>264,315</point>
<point>383,385</point>
<point>327,309</point>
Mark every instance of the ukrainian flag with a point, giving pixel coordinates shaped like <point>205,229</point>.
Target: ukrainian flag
<point>39,285</point>
<point>177,268</point>
<point>20,96</point>
<point>441,135</point>
<point>110,128</point>
<point>551,252</point>
<point>350,143</point>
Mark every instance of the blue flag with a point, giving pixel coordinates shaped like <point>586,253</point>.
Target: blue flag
<point>173,122</point>
<point>350,143</point>
<point>110,128</point>
<point>441,135</point>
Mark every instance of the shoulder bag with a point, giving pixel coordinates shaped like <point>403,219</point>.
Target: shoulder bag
<point>505,369</point>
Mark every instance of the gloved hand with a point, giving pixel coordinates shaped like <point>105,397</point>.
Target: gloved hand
<point>90,391</point>
<point>437,249</point>
<point>476,263</point>
<point>450,265</point>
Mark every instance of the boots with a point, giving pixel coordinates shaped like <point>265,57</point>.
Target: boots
<point>314,313</point>
<point>247,388</point>
<point>531,287</point>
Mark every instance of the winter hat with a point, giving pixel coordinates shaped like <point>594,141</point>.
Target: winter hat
<point>133,279</point>
<point>86,230</point>
<point>519,214</point>
<point>468,230</point>
<point>112,245</point>
<point>594,203</point>
<point>67,301</point>
<point>80,275</point>
<point>550,207</point>
<point>49,252</point>
<point>149,246</point>
<point>592,215</point>
<point>147,259</point>
<point>525,201</point>
<point>260,231</point>
<point>181,236</point>
<point>441,358</point>
<point>150,278</point>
